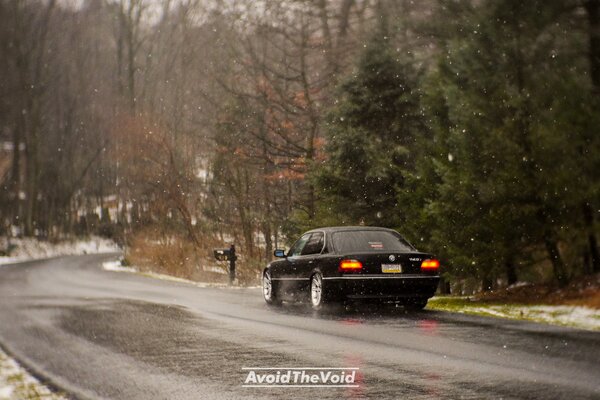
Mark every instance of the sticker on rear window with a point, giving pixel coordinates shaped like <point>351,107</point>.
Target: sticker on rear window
<point>376,245</point>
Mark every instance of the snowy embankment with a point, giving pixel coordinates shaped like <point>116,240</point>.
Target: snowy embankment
<point>565,315</point>
<point>17,383</point>
<point>116,266</point>
<point>27,249</point>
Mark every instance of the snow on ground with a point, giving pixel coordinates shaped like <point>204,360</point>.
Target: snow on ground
<point>17,383</point>
<point>577,316</point>
<point>217,270</point>
<point>116,266</point>
<point>32,249</point>
<point>181,280</point>
<point>574,316</point>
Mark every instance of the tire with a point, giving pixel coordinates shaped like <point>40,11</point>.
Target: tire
<point>416,304</point>
<point>317,295</point>
<point>269,292</point>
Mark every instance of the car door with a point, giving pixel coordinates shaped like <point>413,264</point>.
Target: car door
<point>286,270</point>
<point>300,260</point>
<point>308,259</point>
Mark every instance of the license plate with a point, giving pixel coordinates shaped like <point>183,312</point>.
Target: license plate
<point>391,268</point>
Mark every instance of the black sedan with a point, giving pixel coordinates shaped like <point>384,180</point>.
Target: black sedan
<point>340,264</point>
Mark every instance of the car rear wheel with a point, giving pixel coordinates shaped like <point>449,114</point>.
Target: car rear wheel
<point>317,294</point>
<point>269,292</point>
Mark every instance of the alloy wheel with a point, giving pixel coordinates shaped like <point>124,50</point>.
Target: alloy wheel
<point>316,290</point>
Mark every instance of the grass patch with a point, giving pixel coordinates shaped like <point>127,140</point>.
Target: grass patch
<point>563,315</point>
<point>16,383</point>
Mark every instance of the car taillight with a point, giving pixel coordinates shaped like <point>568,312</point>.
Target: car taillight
<point>430,265</point>
<point>350,265</point>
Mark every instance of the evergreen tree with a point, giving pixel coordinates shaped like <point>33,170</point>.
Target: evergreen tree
<point>371,138</point>
<point>505,193</point>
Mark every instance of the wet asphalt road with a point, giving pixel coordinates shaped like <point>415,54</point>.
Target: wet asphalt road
<point>100,334</point>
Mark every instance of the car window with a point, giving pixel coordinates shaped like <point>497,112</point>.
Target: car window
<point>314,244</point>
<point>368,241</point>
<point>297,247</point>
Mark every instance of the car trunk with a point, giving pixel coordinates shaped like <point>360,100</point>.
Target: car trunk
<point>375,263</point>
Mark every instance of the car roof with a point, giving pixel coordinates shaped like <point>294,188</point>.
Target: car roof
<point>331,229</point>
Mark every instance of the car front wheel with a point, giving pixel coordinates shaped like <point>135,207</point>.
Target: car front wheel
<point>269,292</point>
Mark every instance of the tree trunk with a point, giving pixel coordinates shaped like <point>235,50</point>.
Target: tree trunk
<point>587,263</point>
<point>588,217</point>
<point>247,233</point>
<point>511,271</point>
<point>558,265</point>
<point>486,284</point>
<point>266,225</point>
<point>15,174</point>
<point>593,11</point>
<point>31,185</point>
<point>242,205</point>
<point>268,240</point>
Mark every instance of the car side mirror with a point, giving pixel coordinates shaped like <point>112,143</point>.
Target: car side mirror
<point>279,253</point>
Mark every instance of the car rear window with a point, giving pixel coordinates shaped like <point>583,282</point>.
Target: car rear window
<point>369,242</point>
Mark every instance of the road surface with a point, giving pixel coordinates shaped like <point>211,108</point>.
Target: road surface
<point>101,334</point>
